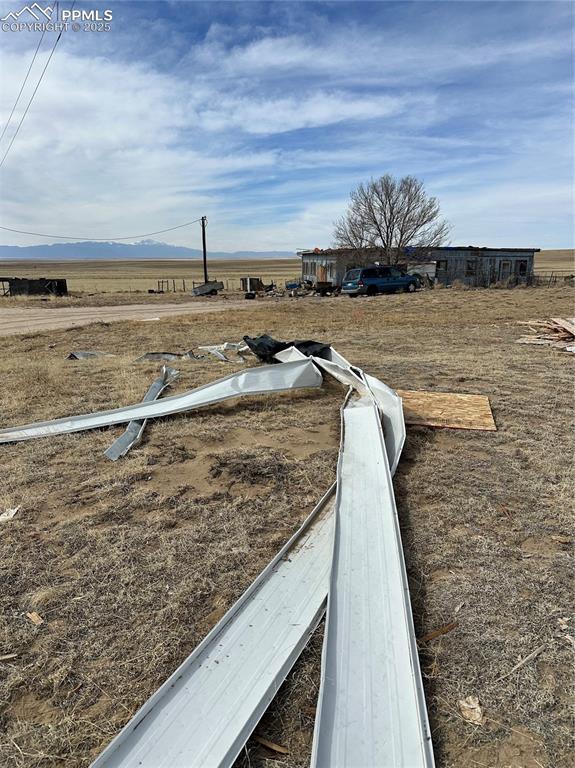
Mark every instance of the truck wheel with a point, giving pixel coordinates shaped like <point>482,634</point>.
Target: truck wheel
<point>411,287</point>
<point>371,290</point>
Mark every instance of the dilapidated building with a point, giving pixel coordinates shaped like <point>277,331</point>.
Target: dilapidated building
<point>28,286</point>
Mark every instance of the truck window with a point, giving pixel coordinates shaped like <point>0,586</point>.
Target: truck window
<point>353,274</point>
<point>371,272</point>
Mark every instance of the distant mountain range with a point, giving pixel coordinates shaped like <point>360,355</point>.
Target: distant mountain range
<point>146,249</point>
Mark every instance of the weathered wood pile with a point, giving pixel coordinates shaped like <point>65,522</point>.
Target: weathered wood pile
<point>558,332</point>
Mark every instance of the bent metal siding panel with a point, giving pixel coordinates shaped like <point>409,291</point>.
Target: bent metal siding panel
<point>204,713</point>
<point>135,429</point>
<point>371,704</point>
<point>253,381</point>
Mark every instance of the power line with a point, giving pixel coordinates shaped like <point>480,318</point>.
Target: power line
<point>100,239</point>
<point>24,83</point>
<point>17,131</point>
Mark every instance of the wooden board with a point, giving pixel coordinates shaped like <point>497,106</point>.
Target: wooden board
<point>567,323</point>
<point>447,409</point>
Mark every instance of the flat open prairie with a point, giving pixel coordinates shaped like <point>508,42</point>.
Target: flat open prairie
<point>129,564</point>
<point>129,276</point>
<point>560,260</point>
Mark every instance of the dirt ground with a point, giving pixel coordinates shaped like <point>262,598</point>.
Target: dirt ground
<point>29,319</point>
<point>129,564</point>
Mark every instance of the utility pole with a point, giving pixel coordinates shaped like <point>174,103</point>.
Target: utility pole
<point>204,222</point>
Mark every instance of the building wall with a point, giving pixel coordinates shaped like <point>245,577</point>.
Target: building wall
<point>478,268</point>
<point>318,268</point>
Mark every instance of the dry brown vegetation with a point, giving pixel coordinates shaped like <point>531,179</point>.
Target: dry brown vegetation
<point>131,563</point>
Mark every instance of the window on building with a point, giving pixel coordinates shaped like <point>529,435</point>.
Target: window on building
<point>441,264</point>
<point>522,268</point>
<point>470,268</point>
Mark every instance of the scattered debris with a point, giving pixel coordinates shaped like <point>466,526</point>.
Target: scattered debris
<point>524,661</point>
<point>471,710</point>
<point>271,745</point>
<point>557,332</point>
<point>35,618</point>
<point>86,354</point>
<point>8,514</point>
<point>259,640</point>
<point>251,650</point>
<point>438,632</point>
<point>135,429</point>
<point>8,656</point>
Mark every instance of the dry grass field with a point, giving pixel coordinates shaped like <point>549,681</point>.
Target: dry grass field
<point>131,563</point>
<point>139,276</point>
<point>561,260</point>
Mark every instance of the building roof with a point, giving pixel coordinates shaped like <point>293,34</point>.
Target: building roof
<point>482,248</point>
<point>479,250</point>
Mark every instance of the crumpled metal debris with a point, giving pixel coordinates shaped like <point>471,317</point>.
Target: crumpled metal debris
<point>135,429</point>
<point>168,357</point>
<point>219,350</point>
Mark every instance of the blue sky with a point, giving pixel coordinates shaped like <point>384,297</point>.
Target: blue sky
<point>264,116</point>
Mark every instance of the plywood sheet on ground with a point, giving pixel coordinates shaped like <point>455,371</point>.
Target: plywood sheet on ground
<point>447,409</point>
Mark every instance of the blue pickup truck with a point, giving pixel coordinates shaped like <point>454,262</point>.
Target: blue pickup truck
<point>369,281</point>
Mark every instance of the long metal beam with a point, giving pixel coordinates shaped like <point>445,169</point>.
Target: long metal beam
<point>252,381</point>
<point>205,712</point>
<point>135,429</point>
<point>371,709</point>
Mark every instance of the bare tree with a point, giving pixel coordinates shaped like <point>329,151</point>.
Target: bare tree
<point>391,214</point>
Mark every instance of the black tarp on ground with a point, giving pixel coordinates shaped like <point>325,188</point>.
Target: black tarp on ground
<point>265,347</point>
